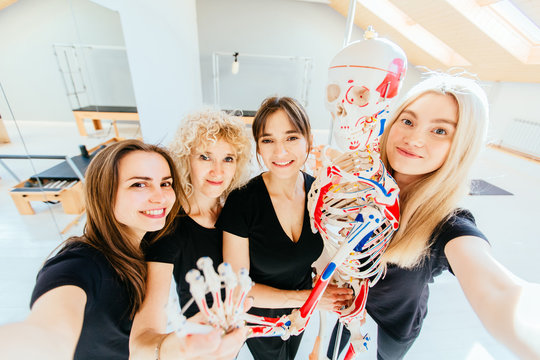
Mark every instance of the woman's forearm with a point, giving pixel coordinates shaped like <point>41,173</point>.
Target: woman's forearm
<point>268,297</point>
<point>26,341</point>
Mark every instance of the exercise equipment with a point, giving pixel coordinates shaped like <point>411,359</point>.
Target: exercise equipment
<point>61,183</point>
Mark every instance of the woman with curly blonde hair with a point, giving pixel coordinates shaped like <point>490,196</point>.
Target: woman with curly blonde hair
<point>212,152</point>
<point>202,129</point>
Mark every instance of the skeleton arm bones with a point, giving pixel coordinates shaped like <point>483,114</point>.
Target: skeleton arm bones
<point>149,327</point>
<point>506,305</point>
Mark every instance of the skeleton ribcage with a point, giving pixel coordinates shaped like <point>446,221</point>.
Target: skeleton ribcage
<point>353,182</point>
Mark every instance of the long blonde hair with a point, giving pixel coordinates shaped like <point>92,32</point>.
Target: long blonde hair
<point>202,128</point>
<point>434,197</point>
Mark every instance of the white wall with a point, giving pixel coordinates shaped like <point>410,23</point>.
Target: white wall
<point>28,69</point>
<point>162,48</point>
<point>275,27</point>
<point>510,101</point>
<point>163,53</point>
<point>289,27</point>
<point>163,39</point>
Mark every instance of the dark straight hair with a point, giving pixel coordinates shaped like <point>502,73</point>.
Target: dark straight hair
<point>295,112</point>
<point>103,231</point>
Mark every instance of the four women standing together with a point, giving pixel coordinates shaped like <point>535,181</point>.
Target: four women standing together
<point>140,208</point>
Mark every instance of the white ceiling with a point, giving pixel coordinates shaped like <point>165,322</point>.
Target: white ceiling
<point>488,59</point>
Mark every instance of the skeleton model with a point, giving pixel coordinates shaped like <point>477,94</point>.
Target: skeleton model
<point>227,313</point>
<point>353,202</point>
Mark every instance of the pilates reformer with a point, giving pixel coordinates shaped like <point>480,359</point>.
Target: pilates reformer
<point>98,113</point>
<point>78,63</point>
<point>246,116</point>
<point>61,183</point>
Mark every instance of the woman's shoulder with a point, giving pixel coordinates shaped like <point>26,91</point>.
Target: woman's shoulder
<point>460,217</point>
<point>81,259</point>
<point>77,249</point>
<point>460,222</point>
<point>308,180</point>
<point>78,264</point>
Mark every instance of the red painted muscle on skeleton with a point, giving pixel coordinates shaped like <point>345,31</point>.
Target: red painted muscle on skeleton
<point>353,202</point>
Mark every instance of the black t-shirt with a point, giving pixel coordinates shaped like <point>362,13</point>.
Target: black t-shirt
<point>275,260</point>
<point>183,247</point>
<point>398,302</point>
<point>106,324</point>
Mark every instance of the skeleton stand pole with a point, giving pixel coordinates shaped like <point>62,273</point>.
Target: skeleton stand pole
<point>346,40</point>
<point>337,341</point>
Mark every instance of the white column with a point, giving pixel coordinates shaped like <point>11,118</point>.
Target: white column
<point>163,53</point>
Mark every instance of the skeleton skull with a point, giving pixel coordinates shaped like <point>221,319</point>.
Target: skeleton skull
<point>359,90</point>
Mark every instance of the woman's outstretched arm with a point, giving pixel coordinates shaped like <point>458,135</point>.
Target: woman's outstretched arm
<point>506,304</point>
<point>150,322</point>
<point>52,329</point>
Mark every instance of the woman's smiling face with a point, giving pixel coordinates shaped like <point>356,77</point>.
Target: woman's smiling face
<point>282,148</point>
<point>145,194</point>
<point>420,139</point>
<point>212,169</point>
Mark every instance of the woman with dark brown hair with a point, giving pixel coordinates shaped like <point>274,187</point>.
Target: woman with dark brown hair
<point>85,296</point>
<point>266,226</point>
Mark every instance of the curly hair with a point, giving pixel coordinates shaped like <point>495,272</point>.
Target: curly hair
<point>202,128</point>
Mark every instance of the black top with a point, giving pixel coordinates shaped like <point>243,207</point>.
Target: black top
<point>183,247</point>
<point>106,324</point>
<point>398,303</point>
<point>275,260</point>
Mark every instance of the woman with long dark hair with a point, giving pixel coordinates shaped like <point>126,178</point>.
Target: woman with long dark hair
<point>86,296</point>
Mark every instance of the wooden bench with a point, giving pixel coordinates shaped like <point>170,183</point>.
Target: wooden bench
<point>68,192</point>
<point>61,183</point>
<point>98,113</point>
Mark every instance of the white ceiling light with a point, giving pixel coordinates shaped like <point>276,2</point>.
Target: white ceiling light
<point>235,65</point>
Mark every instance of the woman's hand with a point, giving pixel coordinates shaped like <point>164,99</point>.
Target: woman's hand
<point>211,346</point>
<point>334,298</point>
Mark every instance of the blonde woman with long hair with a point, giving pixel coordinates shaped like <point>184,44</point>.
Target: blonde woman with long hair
<point>429,147</point>
<point>212,152</point>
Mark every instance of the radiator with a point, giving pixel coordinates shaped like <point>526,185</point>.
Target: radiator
<point>523,136</point>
